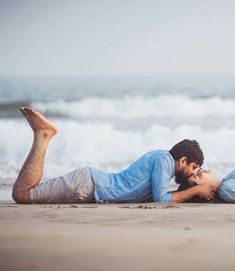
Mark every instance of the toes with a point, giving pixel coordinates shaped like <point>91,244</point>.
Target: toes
<point>29,111</point>
<point>22,109</point>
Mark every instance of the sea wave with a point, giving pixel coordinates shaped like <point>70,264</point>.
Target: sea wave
<point>102,145</point>
<point>131,107</point>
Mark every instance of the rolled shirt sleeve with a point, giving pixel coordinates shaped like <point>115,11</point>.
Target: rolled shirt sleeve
<point>163,171</point>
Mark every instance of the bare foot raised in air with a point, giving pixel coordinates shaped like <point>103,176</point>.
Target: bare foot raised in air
<point>38,122</point>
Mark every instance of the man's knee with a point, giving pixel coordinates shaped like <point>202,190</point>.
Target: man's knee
<point>20,196</point>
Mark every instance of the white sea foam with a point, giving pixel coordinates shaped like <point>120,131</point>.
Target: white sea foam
<point>102,145</point>
<point>141,107</point>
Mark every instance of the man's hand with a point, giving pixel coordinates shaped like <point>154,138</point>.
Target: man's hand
<point>207,191</point>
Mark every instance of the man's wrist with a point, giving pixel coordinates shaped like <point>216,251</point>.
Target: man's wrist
<point>195,190</point>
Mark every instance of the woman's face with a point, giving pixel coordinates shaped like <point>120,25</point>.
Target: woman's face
<point>202,176</point>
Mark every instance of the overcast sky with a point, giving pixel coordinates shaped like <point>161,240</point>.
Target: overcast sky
<point>116,37</point>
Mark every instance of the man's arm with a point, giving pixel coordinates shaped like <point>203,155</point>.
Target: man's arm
<point>205,191</point>
<point>160,179</point>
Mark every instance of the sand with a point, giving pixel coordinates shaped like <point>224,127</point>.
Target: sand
<point>117,237</point>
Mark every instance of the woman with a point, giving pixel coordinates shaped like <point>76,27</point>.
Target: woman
<point>226,191</point>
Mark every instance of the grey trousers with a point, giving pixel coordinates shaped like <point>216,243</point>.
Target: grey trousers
<point>75,187</point>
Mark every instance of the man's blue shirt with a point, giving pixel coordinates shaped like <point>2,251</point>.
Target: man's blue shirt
<point>147,179</point>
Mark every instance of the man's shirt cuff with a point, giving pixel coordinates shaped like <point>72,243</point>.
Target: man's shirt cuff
<point>167,198</point>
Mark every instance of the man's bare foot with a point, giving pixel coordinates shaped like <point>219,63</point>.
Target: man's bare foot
<point>38,122</point>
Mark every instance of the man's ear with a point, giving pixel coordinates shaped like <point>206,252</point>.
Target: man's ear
<point>183,161</point>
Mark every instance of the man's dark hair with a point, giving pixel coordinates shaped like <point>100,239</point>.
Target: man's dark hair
<point>189,148</point>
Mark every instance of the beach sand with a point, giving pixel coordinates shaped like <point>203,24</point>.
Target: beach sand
<point>117,237</point>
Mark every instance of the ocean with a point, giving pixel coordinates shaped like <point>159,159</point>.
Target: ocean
<point>109,122</point>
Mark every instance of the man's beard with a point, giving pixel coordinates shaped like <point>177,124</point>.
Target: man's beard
<point>181,178</point>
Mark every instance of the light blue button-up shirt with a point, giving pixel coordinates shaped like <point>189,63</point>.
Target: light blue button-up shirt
<point>147,179</point>
<point>227,188</point>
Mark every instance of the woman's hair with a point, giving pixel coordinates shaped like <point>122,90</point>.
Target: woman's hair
<point>189,148</point>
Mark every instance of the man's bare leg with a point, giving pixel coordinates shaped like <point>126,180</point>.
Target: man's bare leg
<point>31,172</point>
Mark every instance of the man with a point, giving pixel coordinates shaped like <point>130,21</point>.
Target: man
<point>147,179</point>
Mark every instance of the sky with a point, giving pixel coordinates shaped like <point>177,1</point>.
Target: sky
<point>116,37</point>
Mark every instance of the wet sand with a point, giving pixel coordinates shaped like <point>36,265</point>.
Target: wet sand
<point>117,237</point>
